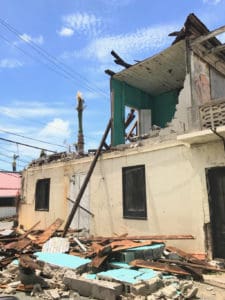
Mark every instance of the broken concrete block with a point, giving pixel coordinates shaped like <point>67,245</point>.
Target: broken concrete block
<point>140,289</point>
<point>99,289</point>
<point>169,291</point>
<point>147,287</point>
<point>53,293</point>
<point>10,290</point>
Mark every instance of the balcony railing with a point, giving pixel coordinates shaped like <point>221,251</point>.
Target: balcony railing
<point>212,114</point>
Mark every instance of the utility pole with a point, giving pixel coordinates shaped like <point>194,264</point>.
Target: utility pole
<point>80,108</point>
<point>14,162</point>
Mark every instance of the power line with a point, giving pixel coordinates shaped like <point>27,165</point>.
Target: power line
<point>29,138</point>
<point>8,156</point>
<point>8,162</point>
<point>26,145</point>
<point>53,60</point>
<point>33,57</point>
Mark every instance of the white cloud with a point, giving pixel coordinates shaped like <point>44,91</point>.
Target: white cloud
<point>128,45</point>
<point>81,23</point>
<point>65,31</point>
<point>22,109</point>
<point>57,127</point>
<point>27,38</point>
<point>10,63</point>
<point>212,1</point>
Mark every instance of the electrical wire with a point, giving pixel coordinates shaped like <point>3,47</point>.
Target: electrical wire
<point>32,57</point>
<point>26,145</point>
<point>29,138</point>
<point>8,156</point>
<point>8,162</point>
<point>50,58</point>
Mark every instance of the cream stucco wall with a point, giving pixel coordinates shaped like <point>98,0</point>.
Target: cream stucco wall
<point>59,174</point>
<point>177,199</point>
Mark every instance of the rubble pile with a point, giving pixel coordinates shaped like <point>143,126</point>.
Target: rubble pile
<point>51,267</point>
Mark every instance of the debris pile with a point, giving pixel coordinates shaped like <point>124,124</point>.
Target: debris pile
<point>51,267</point>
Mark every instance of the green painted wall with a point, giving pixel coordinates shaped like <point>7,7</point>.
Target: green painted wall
<point>162,106</point>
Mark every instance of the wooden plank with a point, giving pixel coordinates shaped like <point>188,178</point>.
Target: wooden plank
<point>147,237</point>
<point>185,255</point>
<point>41,239</point>
<point>215,49</point>
<point>19,245</point>
<point>196,273</point>
<point>30,236</point>
<point>98,261</point>
<point>29,230</point>
<point>159,266</point>
<point>5,261</point>
<point>208,36</point>
<point>200,266</point>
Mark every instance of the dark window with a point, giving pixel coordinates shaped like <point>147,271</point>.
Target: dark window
<point>7,201</point>
<point>42,194</point>
<point>134,192</point>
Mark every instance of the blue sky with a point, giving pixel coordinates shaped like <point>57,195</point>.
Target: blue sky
<point>51,49</point>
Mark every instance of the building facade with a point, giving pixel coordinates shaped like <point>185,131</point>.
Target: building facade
<point>164,173</point>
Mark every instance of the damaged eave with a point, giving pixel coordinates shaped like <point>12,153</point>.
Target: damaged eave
<point>202,137</point>
<point>209,48</point>
<point>158,74</point>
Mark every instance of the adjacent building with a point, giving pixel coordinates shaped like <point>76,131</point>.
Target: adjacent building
<point>9,193</point>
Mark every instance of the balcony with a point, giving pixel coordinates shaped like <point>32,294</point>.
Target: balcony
<point>211,116</point>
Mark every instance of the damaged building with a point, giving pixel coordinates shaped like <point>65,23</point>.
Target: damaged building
<point>164,172</point>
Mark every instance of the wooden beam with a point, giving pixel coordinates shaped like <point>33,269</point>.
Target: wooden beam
<point>81,207</point>
<point>147,237</point>
<point>159,267</point>
<point>215,49</point>
<point>42,238</point>
<point>208,36</point>
<point>211,59</point>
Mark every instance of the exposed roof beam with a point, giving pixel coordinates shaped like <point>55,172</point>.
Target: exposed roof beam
<point>119,61</point>
<point>216,49</point>
<point>208,36</point>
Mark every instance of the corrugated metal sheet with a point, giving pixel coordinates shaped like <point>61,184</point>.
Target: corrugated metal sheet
<point>158,74</point>
<point>9,184</point>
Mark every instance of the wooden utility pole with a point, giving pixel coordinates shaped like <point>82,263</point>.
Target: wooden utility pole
<point>86,180</point>
<point>80,108</point>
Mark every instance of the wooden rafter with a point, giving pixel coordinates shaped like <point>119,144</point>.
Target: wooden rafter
<point>208,36</point>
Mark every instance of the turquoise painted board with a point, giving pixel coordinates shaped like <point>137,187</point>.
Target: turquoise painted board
<point>62,260</point>
<point>127,275</point>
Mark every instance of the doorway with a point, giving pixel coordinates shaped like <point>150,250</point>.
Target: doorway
<point>216,191</point>
<point>81,219</point>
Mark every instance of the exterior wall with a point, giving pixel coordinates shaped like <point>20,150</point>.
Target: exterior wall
<point>60,188</point>
<point>177,198</point>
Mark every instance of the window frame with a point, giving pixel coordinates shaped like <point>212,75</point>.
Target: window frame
<point>127,207</point>
<point>42,205</point>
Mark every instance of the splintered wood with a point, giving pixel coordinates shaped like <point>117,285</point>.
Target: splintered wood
<point>41,239</point>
